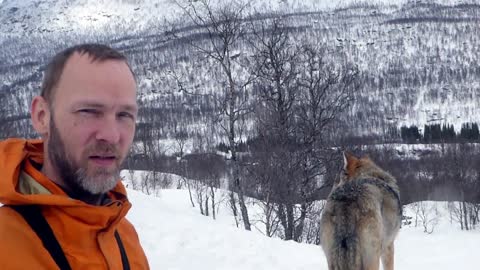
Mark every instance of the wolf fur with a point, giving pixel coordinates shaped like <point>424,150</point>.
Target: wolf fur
<point>361,218</point>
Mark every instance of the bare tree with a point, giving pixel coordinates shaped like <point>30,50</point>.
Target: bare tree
<point>426,214</point>
<point>465,213</point>
<point>276,58</point>
<point>300,95</point>
<point>261,179</point>
<point>326,90</point>
<point>461,170</point>
<point>201,196</point>
<point>457,213</point>
<point>181,137</point>
<point>224,29</point>
<point>149,147</point>
<point>187,182</point>
<point>311,233</point>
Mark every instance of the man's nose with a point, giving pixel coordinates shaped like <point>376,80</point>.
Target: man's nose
<point>108,130</point>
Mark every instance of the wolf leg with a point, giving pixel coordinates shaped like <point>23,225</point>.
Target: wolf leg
<point>387,257</point>
<point>370,257</point>
<point>372,265</point>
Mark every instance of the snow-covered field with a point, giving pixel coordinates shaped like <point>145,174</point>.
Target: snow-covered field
<point>175,237</point>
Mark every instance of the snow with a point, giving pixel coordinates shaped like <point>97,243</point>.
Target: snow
<point>445,250</point>
<point>132,23</point>
<point>175,237</point>
<point>410,151</point>
<point>105,15</point>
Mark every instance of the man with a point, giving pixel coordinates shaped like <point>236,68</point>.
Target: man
<point>86,117</point>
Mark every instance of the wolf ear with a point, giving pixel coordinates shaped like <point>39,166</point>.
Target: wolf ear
<point>348,158</point>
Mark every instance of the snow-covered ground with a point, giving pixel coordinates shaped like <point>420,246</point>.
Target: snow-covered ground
<point>175,237</point>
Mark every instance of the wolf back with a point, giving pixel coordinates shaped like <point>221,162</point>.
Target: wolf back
<point>361,219</point>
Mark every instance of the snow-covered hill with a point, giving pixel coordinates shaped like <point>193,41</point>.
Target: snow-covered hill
<point>418,58</point>
<point>38,16</point>
<point>176,237</point>
<point>63,16</point>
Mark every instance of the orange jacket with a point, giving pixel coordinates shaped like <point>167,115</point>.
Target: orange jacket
<point>85,232</point>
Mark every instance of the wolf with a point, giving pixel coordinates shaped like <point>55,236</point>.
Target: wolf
<point>361,218</point>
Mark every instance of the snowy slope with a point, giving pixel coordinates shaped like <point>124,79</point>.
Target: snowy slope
<point>404,63</point>
<point>176,236</point>
<point>39,16</point>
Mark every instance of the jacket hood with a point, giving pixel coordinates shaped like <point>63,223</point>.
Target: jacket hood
<point>17,174</point>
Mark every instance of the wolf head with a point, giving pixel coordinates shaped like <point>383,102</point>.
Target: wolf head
<point>361,168</point>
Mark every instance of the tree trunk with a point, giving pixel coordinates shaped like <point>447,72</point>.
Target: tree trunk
<point>236,182</point>
<point>268,217</point>
<point>465,216</point>
<point>189,192</point>
<point>243,209</point>
<point>233,205</point>
<point>200,204</point>
<point>290,222</point>
<point>301,222</point>
<point>206,204</point>
<point>461,215</point>
<point>283,219</point>
<point>212,192</point>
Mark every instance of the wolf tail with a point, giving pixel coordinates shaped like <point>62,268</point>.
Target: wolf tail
<point>347,251</point>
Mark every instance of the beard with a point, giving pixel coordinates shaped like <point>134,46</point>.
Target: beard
<point>79,178</point>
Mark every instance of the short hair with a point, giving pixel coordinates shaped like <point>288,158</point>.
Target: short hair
<point>54,69</point>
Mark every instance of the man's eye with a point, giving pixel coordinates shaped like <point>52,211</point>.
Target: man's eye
<point>125,115</point>
<point>88,111</point>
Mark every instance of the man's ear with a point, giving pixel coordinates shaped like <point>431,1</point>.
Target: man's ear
<point>40,115</point>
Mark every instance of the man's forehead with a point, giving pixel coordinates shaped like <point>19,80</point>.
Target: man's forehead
<point>81,71</point>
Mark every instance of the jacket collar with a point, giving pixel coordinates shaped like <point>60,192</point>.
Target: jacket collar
<point>22,183</point>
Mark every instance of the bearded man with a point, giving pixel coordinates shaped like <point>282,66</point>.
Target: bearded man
<point>64,206</point>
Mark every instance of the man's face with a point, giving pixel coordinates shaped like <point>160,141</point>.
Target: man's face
<point>92,123</point>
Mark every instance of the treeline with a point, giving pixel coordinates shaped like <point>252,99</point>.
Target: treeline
<point>448,172</point>
<point>436,133</point>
